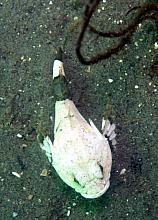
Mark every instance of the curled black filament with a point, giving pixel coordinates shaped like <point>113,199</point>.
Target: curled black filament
<point>147,11</point>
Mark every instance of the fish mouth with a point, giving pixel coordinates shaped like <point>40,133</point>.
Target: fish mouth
<point>100,193</point>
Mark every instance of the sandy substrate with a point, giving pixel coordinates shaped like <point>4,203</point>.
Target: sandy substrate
<point>120,87</point>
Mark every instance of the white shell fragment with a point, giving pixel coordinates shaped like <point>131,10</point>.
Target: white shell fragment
<point>110,80</point>
<point>16,174</point>
<point>19,135</point>
<point>122,171</point>
<point>44,172</point>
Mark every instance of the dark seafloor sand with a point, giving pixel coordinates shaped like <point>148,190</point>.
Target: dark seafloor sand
<point>30,32</point>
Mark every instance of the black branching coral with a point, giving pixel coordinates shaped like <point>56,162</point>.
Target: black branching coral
<point>146,11</point>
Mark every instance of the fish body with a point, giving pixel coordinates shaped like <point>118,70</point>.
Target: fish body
<point>80,153</point>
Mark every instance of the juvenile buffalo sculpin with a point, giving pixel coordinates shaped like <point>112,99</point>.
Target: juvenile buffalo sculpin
<point>80,154</point>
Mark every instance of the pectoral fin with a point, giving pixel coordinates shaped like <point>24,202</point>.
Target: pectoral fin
<point>45,144</point>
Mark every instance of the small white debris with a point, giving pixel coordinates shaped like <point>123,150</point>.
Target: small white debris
<point>50,3</point>
<point>99,10</point>
<point>16,174</point>
<point>44,172</point>
<point>110,80</point>
<point>51,118</point>
<point>30,197</point>
<point>126,74</point>
<point>104,1</point>
<point>156,45</point>
<point>88,69</point>
<point>68,213</point>
<point>24,146</point>
<point>103,8</point>
<point>119,22</point>
<point>75,18</point>
<point>22,57</point>
<point>120,61</point>
<point>19,135</point>
<point>140,104</point>
<point>136,86</point>
<point>29,59</point>
<point>15,214</point>
<point>74,204</point>
<point>123,171</point>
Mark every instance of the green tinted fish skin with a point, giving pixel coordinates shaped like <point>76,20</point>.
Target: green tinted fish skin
<point>60,88</point>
